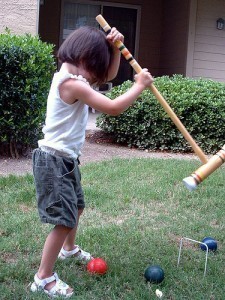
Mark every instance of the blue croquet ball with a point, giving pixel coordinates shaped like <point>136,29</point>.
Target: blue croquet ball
<point>210,242</point>
<point>154,274</point>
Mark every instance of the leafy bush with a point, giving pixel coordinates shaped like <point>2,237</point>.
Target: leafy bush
<point>26,68</point>
<point>199,104</point>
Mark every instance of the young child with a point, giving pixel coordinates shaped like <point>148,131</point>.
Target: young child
<point>88,57</point>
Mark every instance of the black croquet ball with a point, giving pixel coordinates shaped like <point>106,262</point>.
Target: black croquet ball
<point>210,242</point>
<point>154,274</point>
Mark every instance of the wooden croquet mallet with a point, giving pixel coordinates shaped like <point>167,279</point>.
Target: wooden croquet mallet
<point>205,170</point>
<point>126,53</point>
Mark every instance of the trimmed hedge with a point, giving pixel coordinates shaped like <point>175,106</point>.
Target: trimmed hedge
<point>26,68</point>
<point>199,104</point>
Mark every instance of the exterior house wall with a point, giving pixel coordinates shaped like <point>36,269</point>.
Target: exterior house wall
<point>209,42</point>
<point>174,38</point>
<point>150,28</point>
<point>49,22</point>
<point>20,16</point>
<point>150,35</point>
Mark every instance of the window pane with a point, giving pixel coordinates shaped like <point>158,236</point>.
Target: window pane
<point>77,15</point>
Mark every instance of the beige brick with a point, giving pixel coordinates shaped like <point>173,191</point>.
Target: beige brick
<point>20,16</point>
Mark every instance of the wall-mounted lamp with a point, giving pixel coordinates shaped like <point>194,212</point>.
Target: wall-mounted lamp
<point>220,24</point>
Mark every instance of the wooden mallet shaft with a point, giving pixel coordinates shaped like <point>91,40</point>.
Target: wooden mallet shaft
<point>128,56</point>
<point>205,170</point>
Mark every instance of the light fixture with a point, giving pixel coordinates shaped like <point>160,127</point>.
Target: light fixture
<point>220,24</point>
<point>42,2</point>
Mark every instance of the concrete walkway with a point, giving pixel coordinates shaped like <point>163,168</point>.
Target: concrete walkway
<point>91,125</point>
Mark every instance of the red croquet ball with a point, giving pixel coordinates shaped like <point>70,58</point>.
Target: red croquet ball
<point>97,266</point>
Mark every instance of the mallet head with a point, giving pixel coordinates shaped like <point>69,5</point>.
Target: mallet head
<point>205,170</point>
<point>190,183</point>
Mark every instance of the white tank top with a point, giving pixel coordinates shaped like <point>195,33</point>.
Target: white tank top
<point>64,129</point>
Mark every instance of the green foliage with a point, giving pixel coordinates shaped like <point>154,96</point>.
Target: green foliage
<point>199,104</point>
<point>26,68</point>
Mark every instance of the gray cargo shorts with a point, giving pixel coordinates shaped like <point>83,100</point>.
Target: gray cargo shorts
<point>58,188</point>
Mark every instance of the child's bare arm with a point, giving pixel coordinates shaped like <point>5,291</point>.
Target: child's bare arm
<point>80,90</point>
<point>113,36</point>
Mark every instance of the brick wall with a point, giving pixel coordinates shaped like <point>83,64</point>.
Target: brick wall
<point>20,16</point>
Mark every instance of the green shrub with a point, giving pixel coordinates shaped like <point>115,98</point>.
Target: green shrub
<point>26,68</point>
<point>199,104</point>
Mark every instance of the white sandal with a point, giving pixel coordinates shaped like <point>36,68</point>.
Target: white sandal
<point>58,290</point>
<point>81,256</point>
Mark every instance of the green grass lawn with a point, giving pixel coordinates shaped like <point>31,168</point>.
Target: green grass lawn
<point>137,212</point>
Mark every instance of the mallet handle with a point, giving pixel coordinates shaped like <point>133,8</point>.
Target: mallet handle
<point>102,22</point>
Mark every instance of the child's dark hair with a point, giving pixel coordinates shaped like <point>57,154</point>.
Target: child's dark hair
<point>87,46</point>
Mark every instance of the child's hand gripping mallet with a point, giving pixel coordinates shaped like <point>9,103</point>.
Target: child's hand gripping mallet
<point>102,22</point>
<point>204,171</point>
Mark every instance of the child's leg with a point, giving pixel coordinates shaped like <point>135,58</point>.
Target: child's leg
<point>69,248</point>
<point>51,250</point>
<point>68,244</point>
